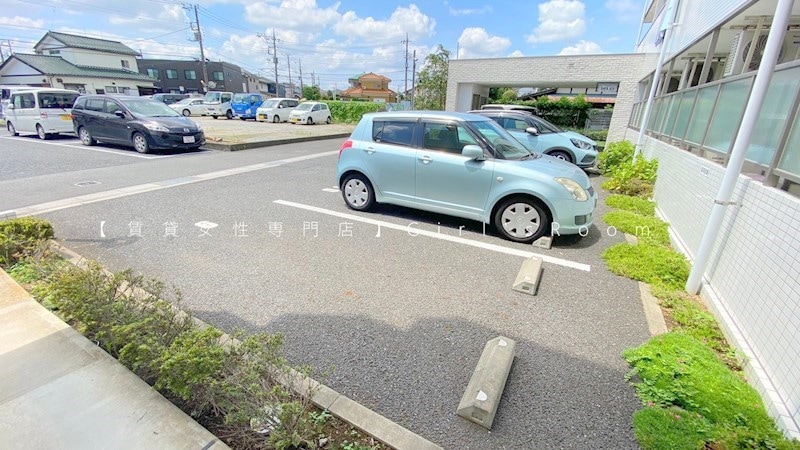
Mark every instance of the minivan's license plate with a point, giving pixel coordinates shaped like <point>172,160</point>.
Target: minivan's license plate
<point>66,117</point>
<point>188,139</point>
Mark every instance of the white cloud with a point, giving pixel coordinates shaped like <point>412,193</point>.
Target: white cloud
<point>625,10</point>
<point>477,43</point>
<point>582,48</point>
<point>516,54</point>
<point>169,12</point>
<point>467,11</point>
<point>403,20</point>
<point>22,22</point>
<point>293,14</point>
<point>559,20</point>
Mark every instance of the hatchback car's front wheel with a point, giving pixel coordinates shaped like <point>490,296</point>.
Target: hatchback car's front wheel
<point>140,143</point>
<point>310,121</point>
<point>41,133</point>
<point>357,192</point>
<point>85,137</point>
<point>521,219</point>
<point>186,113</point>
<point>11,130</point>
<point>562,155</point>
<point>275,119</point>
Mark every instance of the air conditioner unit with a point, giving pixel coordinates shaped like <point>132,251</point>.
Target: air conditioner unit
<point>740,47</point>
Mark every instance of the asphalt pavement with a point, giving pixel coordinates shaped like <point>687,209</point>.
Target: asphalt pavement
<point>399,319</point>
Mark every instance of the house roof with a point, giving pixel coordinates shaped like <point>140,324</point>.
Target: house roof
<point>373,76</point>
<point>89,43</point>
<point>56,65</point>
<point>361,92</point>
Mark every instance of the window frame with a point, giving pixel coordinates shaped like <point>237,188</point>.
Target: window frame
<point>414,141</point>
<point>167,73</point>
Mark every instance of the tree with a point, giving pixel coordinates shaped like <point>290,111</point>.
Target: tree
<point>509,96</point>
<point>311,93</point>
<point>432,83</point>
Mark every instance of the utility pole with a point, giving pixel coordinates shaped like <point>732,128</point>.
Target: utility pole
<point>289,68</point>
<point>406,59</point>
<point>413,78</point>
<point>313,81</point>
<point>274,53</point>
<point>300,65</point>
<point>198,36</point>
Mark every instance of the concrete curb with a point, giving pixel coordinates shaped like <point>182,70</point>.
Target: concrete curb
<point>370,422</point>
<point>652,310</point>
<point>268,143</point>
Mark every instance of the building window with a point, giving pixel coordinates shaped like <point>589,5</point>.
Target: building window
<point>172,74</point>
<point>218,76</point>
<point>54,52</point>
<point>190,74</point>
<point>152,73</point>
<point>125,64</point>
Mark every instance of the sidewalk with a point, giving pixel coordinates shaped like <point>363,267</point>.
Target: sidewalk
<point>59,390</point>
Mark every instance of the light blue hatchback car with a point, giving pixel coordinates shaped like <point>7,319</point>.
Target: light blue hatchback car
<point>464,165</point>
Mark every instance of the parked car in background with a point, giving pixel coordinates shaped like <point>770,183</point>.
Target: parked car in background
<point>43,111</point>
<point>541,136</point>
<point>245,105</point>
<point>219,104</point>
<point>276,110</point>
<point>463,165</point>
<point>310,113</point>
<point>190,107</point>
<point>5,95</point>
<point>169,99</point>
<point>521,108</point>
<point>143,124</point>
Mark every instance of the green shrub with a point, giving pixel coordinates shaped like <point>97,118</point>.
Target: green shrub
<point>186,367</point>
<point>351,112</point>
<point>614,155</point>
<point>648,229</point>
<point>649,263</point>
<point>22,236</point>
<point>676,370</point>
<point>596,135</point>
<point>634,179</point>
<point>633,204</point>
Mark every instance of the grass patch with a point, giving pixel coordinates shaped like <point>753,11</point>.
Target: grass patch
<point>681,375</point>
<point>649,230</point>
<point>649,263</point>
<point>633,204</point>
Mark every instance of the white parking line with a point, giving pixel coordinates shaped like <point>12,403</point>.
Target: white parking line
<point>130,153</point>
<point>155,186</point>
<point>445,237</point>
<point>330,190</point>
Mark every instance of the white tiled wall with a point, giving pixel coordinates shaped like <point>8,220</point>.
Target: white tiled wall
<point>753,278</point>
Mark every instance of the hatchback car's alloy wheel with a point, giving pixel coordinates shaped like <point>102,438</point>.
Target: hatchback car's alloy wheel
<point>310,121</point>
<point>564,156</point>
<point>85,136</point>
<point>276,119</point>
<point>358,193</point>
<point>521,220</point>
<point>186,113</point>
<point>140,143</point>
<point>329,120</point>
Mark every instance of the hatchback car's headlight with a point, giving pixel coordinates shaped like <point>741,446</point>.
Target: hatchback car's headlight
<point>578,193</point>
<point>199,127</point>
<point>581,144</point>
<point>152,126</point>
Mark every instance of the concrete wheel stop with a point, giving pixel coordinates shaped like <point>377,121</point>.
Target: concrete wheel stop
<point>482,397</point>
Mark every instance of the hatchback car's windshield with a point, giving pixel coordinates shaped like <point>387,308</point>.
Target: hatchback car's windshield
<point>546,127</point>
<point>503,142</point>
<point>212,97</point>
<point>304,107</point>
<point>240,98</point>
<point>149,108</point>
<point>270,104</point>
<point>185,101</point>
<point>57,100</point>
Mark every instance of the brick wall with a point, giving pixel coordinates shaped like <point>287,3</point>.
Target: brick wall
<point>753,278</point>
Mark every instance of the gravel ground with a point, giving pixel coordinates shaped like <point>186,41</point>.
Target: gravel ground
<point>402,320</point>
<point>236,131</point>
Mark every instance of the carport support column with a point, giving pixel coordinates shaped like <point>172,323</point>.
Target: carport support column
<point>670,12</point>
<point>760,86</point>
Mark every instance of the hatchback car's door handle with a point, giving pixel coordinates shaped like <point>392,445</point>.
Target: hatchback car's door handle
<point>369,150</point>
<point>425,159</point>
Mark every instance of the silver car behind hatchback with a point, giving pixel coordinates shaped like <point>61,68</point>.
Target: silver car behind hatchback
<point>464,165</point>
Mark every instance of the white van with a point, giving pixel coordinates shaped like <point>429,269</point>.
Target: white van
<point>276,109</point>
<point>42,111</point>
<point>218,104</point>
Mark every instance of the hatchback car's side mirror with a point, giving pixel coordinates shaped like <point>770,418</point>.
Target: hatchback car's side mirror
<point>472,151</point>
<point>119,114</point>
<point>532,131</point>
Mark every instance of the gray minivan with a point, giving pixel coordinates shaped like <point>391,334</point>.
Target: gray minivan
<point>40,111</point>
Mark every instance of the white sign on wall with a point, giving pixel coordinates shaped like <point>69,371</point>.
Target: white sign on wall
<point>608,88</point>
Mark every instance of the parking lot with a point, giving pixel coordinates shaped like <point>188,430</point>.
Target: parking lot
<point>397,303</point>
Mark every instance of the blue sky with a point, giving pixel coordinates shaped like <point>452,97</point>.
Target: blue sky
<point>334,39</point>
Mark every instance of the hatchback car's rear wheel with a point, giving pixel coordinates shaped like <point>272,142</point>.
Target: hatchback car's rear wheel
<point>11,130</point>
<point>186,113</point>
<point>41,133</point>
<point>521,219</point>
<point>562,155</point>
<point>329,120</point>
<point>276,119</point>
<point>85,137</point>
<point>358,193</point>
<point>140,143</point>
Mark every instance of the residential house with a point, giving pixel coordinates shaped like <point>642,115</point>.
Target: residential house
<point>259,84</point>
<point>186,76</point>
<point>369,86</point>
<point>85,64</point>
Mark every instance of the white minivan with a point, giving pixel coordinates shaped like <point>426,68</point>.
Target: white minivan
<point>276,109</point>
<point>44,112</point>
